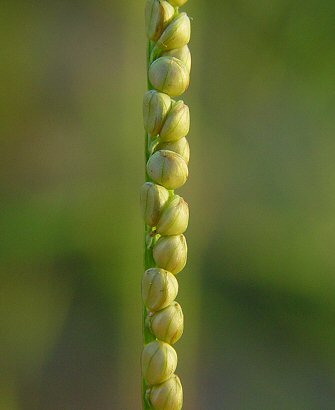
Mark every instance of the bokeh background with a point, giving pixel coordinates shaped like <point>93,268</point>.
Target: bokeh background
<point>258,292</point>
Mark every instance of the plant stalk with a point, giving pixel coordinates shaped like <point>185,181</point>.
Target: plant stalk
<point>148,258</point>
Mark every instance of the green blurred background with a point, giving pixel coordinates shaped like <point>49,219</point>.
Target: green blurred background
<point>258,292</point>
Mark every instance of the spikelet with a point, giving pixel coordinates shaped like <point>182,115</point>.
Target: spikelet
<point>181,147</point>
<point>174,218</point>
<point>169,75</point>
<point>182,54</point>
<point>168,169</point>
<point>159,288</point>
<point>153,198</point>
<point>170,253</point>
<point>158,13</point>
<point>159,361</point>
<point>177,34</point>
<point>167,395</point>
<point>155,108</point>
<point>168,324</point>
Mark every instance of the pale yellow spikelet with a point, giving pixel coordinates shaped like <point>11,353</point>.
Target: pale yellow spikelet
<point>153,198</point>
<point>170,253</point>
<point>158,13</point>
<point>174,218</point>
<point>159,361</point>
<point>167,168</point>
<point>168,324</point>
<point>181,147</point>
<point>159,288</point>
<point>177,123</point>
<point>169,75</point>
<point>177,33</point>
<point>182,53</point>
<point>167,395</point>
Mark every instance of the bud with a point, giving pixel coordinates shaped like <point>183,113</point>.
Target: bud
<point>153,198</point>
<point>159,361</point>
<point>181,147</point>
<point>170,253</point>
<point>174,218</point>
<point>167,395</point>
<point>182,54</point>
<point>169,75</point>
<point>177,33</point>
<point>155,108</point>
<point>159,288</point>
<point>168,169</point>
<point>157,16</point>
<point>168,324</point>
<point>177,123</point>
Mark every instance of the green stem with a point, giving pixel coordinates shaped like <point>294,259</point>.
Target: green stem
<point>147,335</point>
<point>148,258</point>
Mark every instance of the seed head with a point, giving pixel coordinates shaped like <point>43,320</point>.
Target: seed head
<point>181,147</point>
<point>177,33</point>
<point>168,169</point>
<point>182,54</point>
<point>169,75</point>
<point>174,218</point>
<point>159,288</point>
<point>158,13</point>
<point>168,324</point>
<point>155,108</point>
<point>167,395</point>
<point>159,361</point>
<point>170,253</point>
<point>177,123</point>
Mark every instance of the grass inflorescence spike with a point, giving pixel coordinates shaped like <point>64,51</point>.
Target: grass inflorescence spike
<point>165,214</point>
